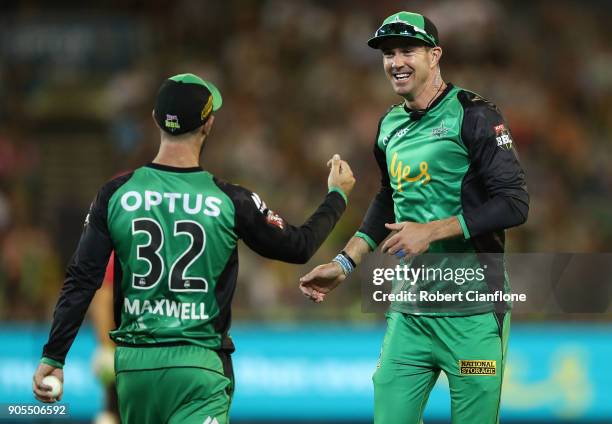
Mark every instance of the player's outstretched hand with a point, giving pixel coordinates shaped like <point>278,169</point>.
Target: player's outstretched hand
<point>321,280</point>
<point>42,391</point>
<point>340,175</point>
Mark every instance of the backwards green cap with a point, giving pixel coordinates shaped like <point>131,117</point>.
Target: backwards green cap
<point>406,24</point>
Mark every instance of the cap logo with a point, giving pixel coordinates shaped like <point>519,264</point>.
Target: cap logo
<point>172,122</point>
<point>207,108</point>
<point>414,27</point>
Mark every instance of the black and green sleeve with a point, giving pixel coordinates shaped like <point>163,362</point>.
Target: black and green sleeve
<point>269,235</point>
<point>84,276</point>
<point>380,211</point>
<point>494,192</point>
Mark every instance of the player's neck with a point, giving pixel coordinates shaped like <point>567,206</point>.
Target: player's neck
<point>178,154</point>
<point>432,89</point>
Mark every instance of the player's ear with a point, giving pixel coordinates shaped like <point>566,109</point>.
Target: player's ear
<point>435,56</point>
<point>208,125</point>
<point>154,120</point>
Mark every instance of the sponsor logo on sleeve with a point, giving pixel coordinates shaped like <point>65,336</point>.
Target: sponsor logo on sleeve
<point>274,219</point>
<point>477,367</point>
<point>260,204</point>
<point>502,135</point>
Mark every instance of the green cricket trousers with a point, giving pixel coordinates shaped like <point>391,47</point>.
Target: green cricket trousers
<point>471,350</point>
<point>174,384</point>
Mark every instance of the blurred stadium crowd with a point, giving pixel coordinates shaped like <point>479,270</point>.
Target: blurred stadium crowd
<point>299,83</point>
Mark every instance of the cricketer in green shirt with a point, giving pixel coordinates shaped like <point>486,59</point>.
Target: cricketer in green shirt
<point>451,184</point>
<point>175,232</point>
<point>447,163</point>
<point>455,160</point>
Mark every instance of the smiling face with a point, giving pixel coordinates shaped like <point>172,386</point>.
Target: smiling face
<point>409,66</point>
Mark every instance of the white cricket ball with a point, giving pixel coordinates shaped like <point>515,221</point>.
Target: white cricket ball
<point>55,383</point>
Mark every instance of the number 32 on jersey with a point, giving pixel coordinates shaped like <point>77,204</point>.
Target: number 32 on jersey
<point>149,252</point>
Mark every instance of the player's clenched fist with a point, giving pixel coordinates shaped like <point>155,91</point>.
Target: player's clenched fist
<point>340,175</point>
<point>41,389</point>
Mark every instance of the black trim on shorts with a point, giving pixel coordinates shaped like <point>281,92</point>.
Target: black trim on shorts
<point>228,369</point>
<point>500,317</point>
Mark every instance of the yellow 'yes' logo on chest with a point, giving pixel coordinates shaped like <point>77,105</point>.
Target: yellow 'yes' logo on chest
<point>401,172</point>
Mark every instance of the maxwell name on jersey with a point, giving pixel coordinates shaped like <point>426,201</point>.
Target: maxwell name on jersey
<point>165,307</point>
<point>209,205</point>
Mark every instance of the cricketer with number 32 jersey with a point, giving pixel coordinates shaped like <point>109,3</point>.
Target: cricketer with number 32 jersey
<point>175,233</point>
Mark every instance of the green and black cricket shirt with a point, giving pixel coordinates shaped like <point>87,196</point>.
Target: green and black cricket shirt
<point>458,159</point>
<point>175,233</point>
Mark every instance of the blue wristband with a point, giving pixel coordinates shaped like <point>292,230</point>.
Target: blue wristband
<point>345,263</point>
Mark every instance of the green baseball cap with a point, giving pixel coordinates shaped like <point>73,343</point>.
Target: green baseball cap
<point>184,102</point>
<point>406,24</point>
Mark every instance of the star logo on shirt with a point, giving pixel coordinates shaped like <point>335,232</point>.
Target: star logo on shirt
<point>440,131</point>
